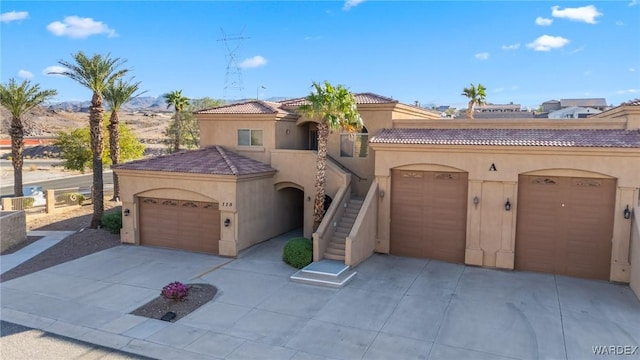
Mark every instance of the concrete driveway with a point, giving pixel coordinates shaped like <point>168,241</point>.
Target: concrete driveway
<point>395,308</point>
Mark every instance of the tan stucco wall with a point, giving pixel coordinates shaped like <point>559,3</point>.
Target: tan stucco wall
<point>491,232</point>
<point>297,168</point>
<point>197,187</point>
<point>223,131</point>
<point>635,254</point>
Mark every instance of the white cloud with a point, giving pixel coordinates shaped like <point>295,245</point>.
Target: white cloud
<point>628,91</point>
<point>574,51</point>
<point>482,56</point>
<point>351,4</point>
<point>586,14</point>
<point>53,69</point>
<point>619,23</point>
<point>543,21</point>
<point>632,69</point>
<point>515,46</point>
<point>547,42</point>
<point>24,74</point>
<point>13,16</point>
<point>79,28</point>
<point>633,3</point>
<point>253,62</point>
<point>308,38</point>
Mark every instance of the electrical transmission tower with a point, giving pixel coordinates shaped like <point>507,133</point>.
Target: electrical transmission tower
<point>233,88</point>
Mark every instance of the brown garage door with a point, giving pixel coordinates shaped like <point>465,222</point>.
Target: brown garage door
<point>429,214</point>
<point>565,225</point>
<point>180,224</point>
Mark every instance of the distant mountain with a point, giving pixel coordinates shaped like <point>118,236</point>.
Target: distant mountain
<point>141,103</point>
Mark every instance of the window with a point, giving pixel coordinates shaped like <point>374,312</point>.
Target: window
<point>354,145</point>
<point>247,137</point>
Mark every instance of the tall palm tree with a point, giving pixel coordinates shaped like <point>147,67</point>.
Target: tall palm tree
<point>19,99</point>
<point>476,95</point>
<point>179,102</point>
<point>334,108</point>
<point>116,95</point>
<point>95,73</point>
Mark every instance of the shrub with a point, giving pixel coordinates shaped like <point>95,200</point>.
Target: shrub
<point>71,198</point>
<point>175,291</point>
<point>112,221</point>
<point>298,252</point>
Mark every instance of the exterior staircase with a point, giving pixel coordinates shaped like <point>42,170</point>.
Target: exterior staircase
<point>335,249</point>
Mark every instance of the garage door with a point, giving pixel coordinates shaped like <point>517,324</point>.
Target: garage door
<point>180,224</point>
<point>565,225</point>
<point>429,214</point>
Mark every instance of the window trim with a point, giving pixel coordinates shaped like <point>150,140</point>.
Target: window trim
<point>250,145</point>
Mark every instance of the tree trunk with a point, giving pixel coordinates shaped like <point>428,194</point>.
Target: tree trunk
<point>114,150</point>
<point>470,109</point>
<point>97,146</point>
<point>177,139</point>
<point>17,148</point>
<point>321,174</point>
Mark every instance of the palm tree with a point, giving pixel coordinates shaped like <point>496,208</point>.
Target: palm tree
<point>96,74</point>
<point>476,96</point>
<point>19,99</point>
<point>334,108</point>
<point>116,95</point>
<point>179,102</point>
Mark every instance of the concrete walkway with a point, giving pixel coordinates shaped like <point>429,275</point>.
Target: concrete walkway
<point>399,308</point>
<point>49,238</point>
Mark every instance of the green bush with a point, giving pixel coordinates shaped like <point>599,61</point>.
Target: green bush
<point>298,252</point>
<point>27,202</point>
<point>112,221</point>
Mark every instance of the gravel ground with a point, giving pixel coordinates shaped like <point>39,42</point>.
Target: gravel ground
<point>84,242</point>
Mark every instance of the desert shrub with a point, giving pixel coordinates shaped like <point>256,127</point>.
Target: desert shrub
<point>71,198</point>
<point>298,252</point>
<point>175,291</point>
<point>27,202</point>
<point>112,221</point>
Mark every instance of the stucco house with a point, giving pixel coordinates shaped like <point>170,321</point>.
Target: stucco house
<point>528,194</point>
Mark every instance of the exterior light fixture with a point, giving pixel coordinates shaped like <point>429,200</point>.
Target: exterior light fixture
<point>227,222</point>
<point>476,201</point>
<point>127,212</point>
<point>507,205</point>
<point>381,193</point>
<point>627,213</point>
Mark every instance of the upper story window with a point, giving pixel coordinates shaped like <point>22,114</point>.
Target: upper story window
<point>248,137</point>
<point>354,145</point>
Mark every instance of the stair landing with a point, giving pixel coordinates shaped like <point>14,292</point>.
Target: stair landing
<point>329,273</point>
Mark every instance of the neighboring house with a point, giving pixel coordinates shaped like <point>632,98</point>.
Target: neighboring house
<point>573,112</point>
<point>595,103</point>
<point>498,108</point>
<point>528,194</point>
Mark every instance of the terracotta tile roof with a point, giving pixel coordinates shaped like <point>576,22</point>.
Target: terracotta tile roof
<point>213,160</point>
<point>247,107</point>
<point>634,102</point>
<point>511,137</point>
<point>361,98</point>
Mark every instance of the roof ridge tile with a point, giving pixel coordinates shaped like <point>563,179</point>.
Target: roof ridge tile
<point>226,159</point>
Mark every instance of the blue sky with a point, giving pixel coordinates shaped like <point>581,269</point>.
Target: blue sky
<point>522,52</point>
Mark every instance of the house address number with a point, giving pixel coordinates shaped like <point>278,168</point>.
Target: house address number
<point>227,204</point>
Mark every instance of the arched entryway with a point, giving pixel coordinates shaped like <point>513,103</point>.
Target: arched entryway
<point>290,203</point>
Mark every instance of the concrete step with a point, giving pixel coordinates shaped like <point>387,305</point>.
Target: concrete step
<point>337,240</point>
<point>329,273</point>
<point>334,257</point>
<point>334,251</point>
<point>337,246</point>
